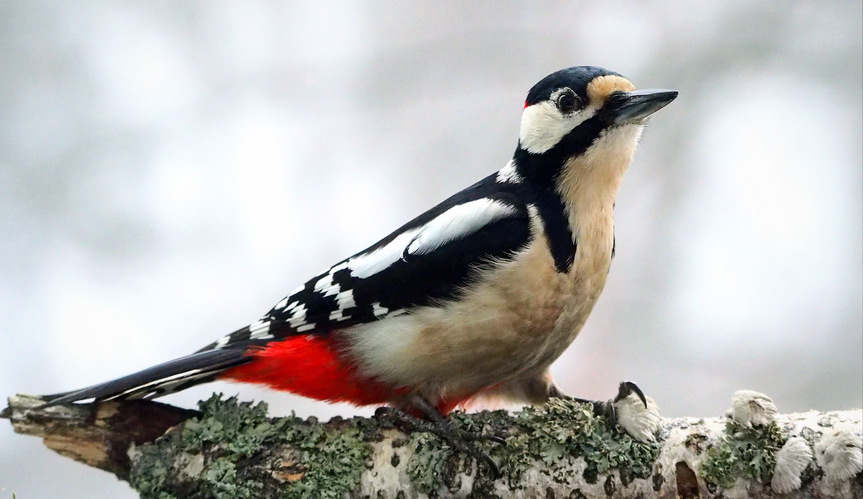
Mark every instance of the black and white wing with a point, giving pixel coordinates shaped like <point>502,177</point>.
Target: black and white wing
<point>427,260</point>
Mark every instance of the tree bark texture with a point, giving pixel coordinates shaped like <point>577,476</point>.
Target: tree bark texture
<point>561,449</point>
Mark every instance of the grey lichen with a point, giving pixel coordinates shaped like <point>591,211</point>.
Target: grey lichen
<point>432,465</point>
<point>243,453</point>
<point>232,449</point>
<point>549,438</point>
<point>562,431</point>
<point>556,435</point>
<point>743,452</point>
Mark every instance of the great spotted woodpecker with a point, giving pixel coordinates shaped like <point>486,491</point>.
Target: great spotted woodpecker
<point>477,296</point>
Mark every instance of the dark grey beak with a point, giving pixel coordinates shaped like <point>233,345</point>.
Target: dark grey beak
<point>633,107</point>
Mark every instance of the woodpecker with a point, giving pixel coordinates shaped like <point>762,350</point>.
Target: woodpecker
<point>477,296</point>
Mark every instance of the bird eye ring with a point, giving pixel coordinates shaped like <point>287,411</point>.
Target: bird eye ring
<point>567,102</point>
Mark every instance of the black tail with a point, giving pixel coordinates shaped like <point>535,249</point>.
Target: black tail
<point>172,376</point>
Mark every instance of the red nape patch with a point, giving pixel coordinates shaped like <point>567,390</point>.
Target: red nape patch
<point>311,366</point>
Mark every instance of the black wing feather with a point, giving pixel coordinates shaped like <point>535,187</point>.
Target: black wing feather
<point>196,368</point>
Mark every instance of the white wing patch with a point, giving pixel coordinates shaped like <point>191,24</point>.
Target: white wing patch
<point>369,264</point>
<point>457,222</point>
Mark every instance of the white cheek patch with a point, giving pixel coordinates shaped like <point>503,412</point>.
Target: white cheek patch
<point>542,126</point>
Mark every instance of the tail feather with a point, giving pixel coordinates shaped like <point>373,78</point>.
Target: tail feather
<point>159,380</point>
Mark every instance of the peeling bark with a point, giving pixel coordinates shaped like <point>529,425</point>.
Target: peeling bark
<point>232,449</point>
<point>98,435</point>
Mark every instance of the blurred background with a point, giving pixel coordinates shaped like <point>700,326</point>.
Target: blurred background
<point>168,171</point>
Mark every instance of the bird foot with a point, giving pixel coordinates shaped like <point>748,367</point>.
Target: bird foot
<point>439,426</point>
<point>607,408</point>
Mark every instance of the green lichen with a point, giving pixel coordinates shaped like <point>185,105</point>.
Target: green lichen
<point>238,427</point>
<point>433,466</point>
<point>234,445</point>
<point>332,459</point>
<point>149,473</point>
<point>426,465</point>
<point>742,453</point>
<point>555,434</point>
<point>226,432</point>
<point>235,450</point>
<point>220,479</point>
<point>563,430</point>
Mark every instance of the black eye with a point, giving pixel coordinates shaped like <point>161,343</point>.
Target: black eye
<point>567,102</point>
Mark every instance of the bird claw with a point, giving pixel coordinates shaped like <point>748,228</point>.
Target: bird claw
<point>440,427</point>
<point>626,389</point>
<point>495,438</point>
<point>607,408</point>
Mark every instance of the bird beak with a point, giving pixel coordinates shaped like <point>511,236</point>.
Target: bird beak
<point>633,107</point>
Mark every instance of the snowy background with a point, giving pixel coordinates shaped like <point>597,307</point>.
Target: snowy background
<point>169,170</point>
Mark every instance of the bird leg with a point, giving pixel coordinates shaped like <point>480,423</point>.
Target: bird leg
<point>438,425</point>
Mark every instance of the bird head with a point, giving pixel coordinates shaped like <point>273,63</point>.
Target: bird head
<point>582,112</point>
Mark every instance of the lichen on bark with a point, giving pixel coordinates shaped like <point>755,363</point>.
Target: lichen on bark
<point>235,450</point>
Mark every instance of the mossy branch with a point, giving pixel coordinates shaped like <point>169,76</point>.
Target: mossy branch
<point>232,449</point>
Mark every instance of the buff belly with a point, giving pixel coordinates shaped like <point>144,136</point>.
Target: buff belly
<point>516,322</point>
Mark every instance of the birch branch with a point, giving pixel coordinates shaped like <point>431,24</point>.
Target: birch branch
<point>233,449</point>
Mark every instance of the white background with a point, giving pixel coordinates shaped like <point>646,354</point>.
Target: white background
<point>168,171</point>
